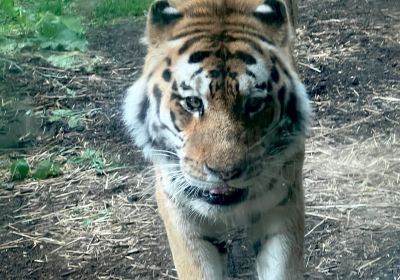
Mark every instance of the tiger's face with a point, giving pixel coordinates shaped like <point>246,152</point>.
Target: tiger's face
<point>219,107</point>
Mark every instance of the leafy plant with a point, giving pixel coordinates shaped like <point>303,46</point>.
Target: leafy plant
<point>46,169</point>
<point>19,169</point>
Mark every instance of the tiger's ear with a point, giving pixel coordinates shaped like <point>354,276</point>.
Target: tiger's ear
<point>272,13</point>
<point>279,20</point>
<point>161,17</point>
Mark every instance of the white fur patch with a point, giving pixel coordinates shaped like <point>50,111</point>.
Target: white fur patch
<point>170,11</point>
<point>271,262</point>
<point>304,105</point>
<point>246,83</point>
<point>131,109</point>
<point>265,9</point>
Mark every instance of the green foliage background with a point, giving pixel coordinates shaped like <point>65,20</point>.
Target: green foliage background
<point>58,24</point>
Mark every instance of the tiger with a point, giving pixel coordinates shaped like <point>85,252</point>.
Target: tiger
<point>220,112</point>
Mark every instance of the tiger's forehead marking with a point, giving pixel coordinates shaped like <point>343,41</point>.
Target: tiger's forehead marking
<point>198,71</point>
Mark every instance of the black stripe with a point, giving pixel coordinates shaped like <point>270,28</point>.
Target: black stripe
<point>199,56</point>
<point>157,94</point>
<point>175,96</point>
<point>222,54</point>
<point>287,199</point>
<point>228,38</point>
<point>252,34</point>
<point>194,28</point>
<point>232,75</point>
<point>291,109</point>
<point>245,57</point>
<point>190,33</point>
<point>145,104</point>
<point>281,98</point>
<point>275,74</point>
<point>257,247</point>
<point>243,27</point>
<point>166,75</point>
<point>270,87</point>
<point>197,72</point>
<point>251,74</point>
<point>159,144</point>
<point>173,119</point>
<point>166,127</point>
<point>184,86</point>
<point>275,60</point>
<point>190,42</point>
<point>174,86</point>
<point>262,86</point>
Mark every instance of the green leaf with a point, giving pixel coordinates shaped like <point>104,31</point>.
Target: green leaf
<point>46,169</point>
<point>19,169</point>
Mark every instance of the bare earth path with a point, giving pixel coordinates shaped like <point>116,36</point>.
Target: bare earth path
<point>104,225</point>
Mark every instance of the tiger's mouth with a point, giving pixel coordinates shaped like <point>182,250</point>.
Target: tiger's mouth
<point>222,195</point>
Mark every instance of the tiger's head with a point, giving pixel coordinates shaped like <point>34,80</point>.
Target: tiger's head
<point>219,106</point>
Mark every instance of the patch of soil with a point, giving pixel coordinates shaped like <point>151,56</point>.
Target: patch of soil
<point>355,45</point>
<point>88,225</point>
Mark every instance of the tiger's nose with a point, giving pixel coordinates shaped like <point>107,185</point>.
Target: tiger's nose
<point>224,173</point>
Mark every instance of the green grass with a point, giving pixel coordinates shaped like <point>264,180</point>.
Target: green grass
<point>111,9</point>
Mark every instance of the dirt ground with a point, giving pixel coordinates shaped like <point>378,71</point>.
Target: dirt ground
<point>90,225</point>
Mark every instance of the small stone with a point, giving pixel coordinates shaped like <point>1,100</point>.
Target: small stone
<point>354,81</point>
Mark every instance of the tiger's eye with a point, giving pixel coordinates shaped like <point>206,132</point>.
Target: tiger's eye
<point>254,105</point>
<point>194,103</point>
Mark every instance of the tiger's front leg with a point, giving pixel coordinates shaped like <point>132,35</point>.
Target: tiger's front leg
<point>280,256</point>
<point>195,257</point>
